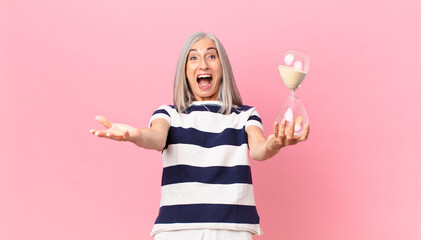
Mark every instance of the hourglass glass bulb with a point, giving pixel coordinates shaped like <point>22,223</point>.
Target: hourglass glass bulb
<point>293,111</point>
<point>293,68</point>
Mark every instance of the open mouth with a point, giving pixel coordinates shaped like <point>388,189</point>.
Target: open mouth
<point>204,81</point>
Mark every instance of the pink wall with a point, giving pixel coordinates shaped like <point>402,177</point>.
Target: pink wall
<point>63,62</point>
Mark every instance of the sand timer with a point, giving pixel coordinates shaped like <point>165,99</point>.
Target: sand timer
<point>293,67</point>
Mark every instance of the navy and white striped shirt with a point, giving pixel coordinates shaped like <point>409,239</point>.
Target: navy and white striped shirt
<point>206,180</point>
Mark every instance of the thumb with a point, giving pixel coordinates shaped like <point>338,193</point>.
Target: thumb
<point>127,135</point>
<point>104,121</point>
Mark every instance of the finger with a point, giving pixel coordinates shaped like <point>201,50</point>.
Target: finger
<point>100,133</point>
<point>109,134</point>
<point>104,133</point>
<point>282,128</point>
<point>290,131</point>
<point>115,134</point>
<point>104,121</point>
<point>305,134</point>
<point>92,131</point>
<point>275,129</point>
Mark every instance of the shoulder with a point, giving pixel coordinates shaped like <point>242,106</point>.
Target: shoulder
<point>165,112</point>
<point>253,117</point>
<point>243,109</point>
<point>164,109</point>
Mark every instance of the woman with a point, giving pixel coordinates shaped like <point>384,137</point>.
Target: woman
<point>205,138</point>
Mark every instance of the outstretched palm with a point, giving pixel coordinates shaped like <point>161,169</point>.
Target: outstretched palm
<point>115,131</point>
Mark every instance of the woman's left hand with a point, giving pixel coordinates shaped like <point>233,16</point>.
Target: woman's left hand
<point>283,135</point>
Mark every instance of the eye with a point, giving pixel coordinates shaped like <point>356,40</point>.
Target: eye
<point>212,56</point>
<point>193,58</point>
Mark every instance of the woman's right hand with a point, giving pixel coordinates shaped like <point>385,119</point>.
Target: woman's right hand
<point>116,131</point>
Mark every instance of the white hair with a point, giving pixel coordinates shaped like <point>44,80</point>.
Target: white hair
<point>228,92</point>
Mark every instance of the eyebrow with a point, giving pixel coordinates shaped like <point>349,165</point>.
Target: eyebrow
<point>209,48</point>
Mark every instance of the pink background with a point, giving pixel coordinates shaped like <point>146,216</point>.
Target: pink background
<point>63,62</point>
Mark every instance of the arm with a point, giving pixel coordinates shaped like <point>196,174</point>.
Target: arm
<point>262,149</point>
<point>154,137</point>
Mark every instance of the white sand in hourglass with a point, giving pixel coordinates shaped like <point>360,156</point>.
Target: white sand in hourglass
<point>291,77</point>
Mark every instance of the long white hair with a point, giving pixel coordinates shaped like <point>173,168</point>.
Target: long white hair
<point>228,92</point>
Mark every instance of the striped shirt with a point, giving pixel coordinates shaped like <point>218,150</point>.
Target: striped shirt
<point>206,180</point>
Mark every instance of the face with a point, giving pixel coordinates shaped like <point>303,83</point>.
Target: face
<point>204,70</point>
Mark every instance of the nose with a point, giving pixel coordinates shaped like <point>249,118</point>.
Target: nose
<point>203,64</point>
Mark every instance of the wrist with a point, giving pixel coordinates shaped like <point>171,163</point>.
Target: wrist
<point>136,138</point>
<point>271,150</point>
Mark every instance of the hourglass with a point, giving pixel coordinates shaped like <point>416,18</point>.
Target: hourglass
<point>293,67</point>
